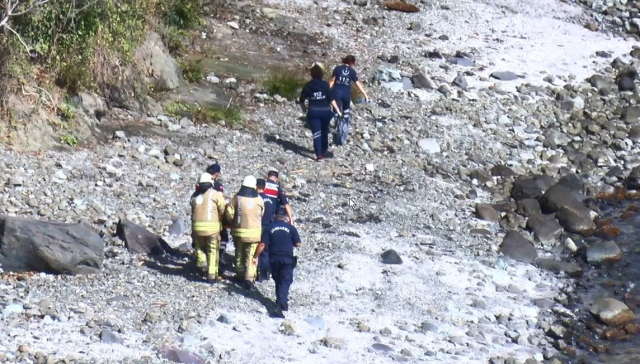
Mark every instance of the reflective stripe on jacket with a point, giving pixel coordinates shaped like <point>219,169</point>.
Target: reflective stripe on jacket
<point>247,219</point>
<point>206,211</point>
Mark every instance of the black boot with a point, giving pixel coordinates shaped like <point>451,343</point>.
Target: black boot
<point>277,313</point>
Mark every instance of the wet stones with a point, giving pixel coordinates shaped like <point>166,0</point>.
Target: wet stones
<point>603,252</point>
<point>557,267</point>
<point>611,312</point>
<point>576,219</point>
<point>487,212</point>
<point>516,247</point>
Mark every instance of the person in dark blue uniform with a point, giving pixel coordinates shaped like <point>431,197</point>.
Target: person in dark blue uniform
<point>215,170</point>
<point>264,267</point>
<point>280,238</point>
<point>273,190</point>
<point>341,79</point>
<point>319,114</point>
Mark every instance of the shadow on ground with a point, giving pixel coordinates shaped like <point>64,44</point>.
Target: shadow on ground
<point>288,145</point>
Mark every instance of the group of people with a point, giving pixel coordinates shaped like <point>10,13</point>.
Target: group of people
<point>322,96</point>
<point>260,219</point>
<point>259,216</point>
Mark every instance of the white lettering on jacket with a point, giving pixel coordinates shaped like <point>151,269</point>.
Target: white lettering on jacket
<point>280,228</point>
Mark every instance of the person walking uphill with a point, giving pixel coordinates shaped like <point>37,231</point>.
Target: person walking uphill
<point>274,192</point>
<point>246,209</point>
<point>280,238</point>
<point>264,269</point>
<point>214,170</point>
<point>207,208</point>
<point>319,114</point>
<point>340,84</point>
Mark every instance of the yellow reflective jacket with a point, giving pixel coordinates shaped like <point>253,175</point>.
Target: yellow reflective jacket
<point>206,211</point>
<point>246,226</point>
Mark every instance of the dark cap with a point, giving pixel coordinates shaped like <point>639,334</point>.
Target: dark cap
<point>281,211</point>
<point>260,182</point>
<point>214,168</point>
<point>273,174</point>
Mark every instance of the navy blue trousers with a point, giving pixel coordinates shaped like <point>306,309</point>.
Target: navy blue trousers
<point>343,99</point>
<point>282,274</point>
<point>319,121</point>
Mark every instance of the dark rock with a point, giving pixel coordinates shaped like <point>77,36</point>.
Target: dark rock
<point>634,134</point>
<point>630,114</point>
<point>109,337</point>
<point>504,76</point>
<point>545,228</point>
<point>524,188</point>
<point>32,245</point>
<point>556,266</point>
<point>603,252</point>
<point>501,170</point>
<point>611,312</point>
<point>460,81</point>
<point>528,207</point>
<point>556,197</point>
<point>576,220</point>
<point>603,54</point>
<point>139,240</point>
<point>391,257</point>
<point>615,171</point>
<point>421,81</point>
<point>516,247</point>
<point>487,212</point>
<point>626,84</point>
<point>180,356</point>
<point>633,179</point>
<point>572,182</point>
<point>382,347</point>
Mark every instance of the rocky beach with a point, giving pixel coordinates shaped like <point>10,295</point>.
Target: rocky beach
<point>482,211</point>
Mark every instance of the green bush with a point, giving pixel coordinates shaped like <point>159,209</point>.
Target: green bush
<point>182,14</point>
<point>67,36</point>
<point>284,83</point>
<point>193,70</point>
<point>69,139</point>
<point>211,114</point>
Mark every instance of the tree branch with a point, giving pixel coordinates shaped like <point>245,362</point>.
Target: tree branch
<point>19,38</point>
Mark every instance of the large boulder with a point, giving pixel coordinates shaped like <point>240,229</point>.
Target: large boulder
<point>140,240</point>
<point>545,228</point>
<point>633,179</point>
<point>611,312</point>
<point>154,59</point>
<point>33,245</point>
<point>528,207</point>
<point>556,197</point>
<point>576,219</point>
<point>603,252</point>
<point>516,247</point>
<point>531,187</point>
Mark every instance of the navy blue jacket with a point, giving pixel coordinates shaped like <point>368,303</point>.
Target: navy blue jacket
<point>344,75</point>
<point>318,93</point>
<point>279,238</point>
<point>269,210</point>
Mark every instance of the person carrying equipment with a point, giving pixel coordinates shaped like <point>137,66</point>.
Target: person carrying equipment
<point>207,207</point>
<point>319,114</point>
<point>280,238</point>
<point>340,84</point>
<point>246,209</point>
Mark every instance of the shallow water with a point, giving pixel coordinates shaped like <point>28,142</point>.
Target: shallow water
<point>618,280</point>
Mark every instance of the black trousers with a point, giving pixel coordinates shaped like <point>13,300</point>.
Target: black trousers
<point>282,274</point>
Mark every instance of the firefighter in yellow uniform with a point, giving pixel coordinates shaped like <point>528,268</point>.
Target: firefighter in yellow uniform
<point>207,208</point>
<point>247,208</point>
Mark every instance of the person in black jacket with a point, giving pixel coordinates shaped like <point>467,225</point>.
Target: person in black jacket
<point>319,114</point>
